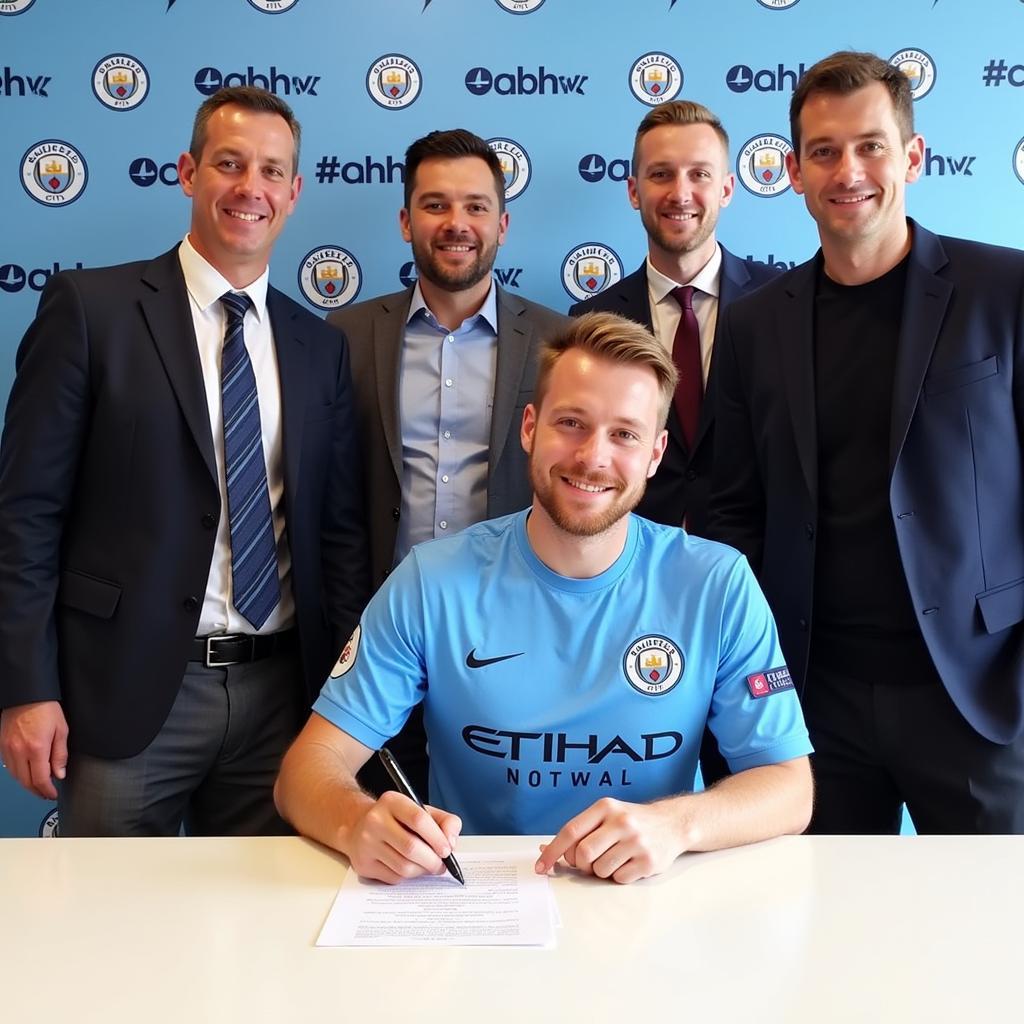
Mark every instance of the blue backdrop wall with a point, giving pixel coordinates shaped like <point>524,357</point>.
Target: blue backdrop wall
<point>96,103</point>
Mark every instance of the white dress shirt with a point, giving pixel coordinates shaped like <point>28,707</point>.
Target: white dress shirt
<point>205,286</point>
<point>665,310</point>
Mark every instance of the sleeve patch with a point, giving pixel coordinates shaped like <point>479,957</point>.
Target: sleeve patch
<point>348,655</point>
<point>771,680</point>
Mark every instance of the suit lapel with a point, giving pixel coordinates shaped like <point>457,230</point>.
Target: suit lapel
<point>388,336</point>
<point>795,330</point>
<point>167,313</point>
<point>291,368</point>
<point>924,306</point>
<point>514,331</point>
<point>732,283</point>
<point>635,297</point>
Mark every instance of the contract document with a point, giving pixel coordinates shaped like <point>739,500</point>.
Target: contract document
<point>503,903</point>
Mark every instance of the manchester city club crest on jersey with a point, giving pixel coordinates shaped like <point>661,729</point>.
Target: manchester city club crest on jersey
<point>653,665</point>
<point>329,277</point>
<point>120,82</point>
<point>53,173</point>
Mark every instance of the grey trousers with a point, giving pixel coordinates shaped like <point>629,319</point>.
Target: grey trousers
<point>211,768</point>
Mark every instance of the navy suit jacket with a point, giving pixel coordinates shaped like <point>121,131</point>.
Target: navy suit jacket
<point>955,455</point>
<point>109,500</point>
<point>682,485</point>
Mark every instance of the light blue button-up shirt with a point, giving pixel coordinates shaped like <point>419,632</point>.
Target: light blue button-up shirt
<point>446,392</point>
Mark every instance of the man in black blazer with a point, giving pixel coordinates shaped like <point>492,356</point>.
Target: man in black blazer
<point>147,663</point>
<point>681,182</point>
<point>442,371</point>
<point>869,464</point>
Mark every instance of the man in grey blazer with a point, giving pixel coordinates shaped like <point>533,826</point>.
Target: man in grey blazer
<point>443,370</point>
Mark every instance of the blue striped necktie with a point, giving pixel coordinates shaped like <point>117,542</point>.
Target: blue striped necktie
<point>255,589</point>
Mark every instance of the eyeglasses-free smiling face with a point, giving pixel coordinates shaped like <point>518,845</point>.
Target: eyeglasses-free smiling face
<point>854,168</point>
<point>681,185</point>
<point>593,442</point>
<point>454,222</point>
<point>242,190</point>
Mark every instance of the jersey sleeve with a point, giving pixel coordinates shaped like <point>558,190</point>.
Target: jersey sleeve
<point>755,713</point>
<point>380,676</point>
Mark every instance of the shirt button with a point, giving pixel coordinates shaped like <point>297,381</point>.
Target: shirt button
<point>449,382</point>
<point>447,434</point>
<point>444,479</point>
<point>443,524</point>
<point>449,338</point>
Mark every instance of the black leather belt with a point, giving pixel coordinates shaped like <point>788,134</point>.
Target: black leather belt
<point>221,649</point>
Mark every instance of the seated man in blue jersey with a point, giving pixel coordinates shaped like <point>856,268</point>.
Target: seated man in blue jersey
<point>567,658</point>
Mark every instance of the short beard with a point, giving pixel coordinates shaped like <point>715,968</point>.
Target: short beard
<point>454,281</point>
<point>582,526</point>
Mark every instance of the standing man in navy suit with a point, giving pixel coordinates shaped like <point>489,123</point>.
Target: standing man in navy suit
<point>181,541</point>
<point>681,182</point>
<point>869,464</point>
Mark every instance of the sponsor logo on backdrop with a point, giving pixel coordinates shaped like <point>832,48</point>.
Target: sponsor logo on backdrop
<point>919,69</point>
<point>594,167</point>
<point>761,165</point>
<point>394,81</point>
<point>653,665</point>
<point>13,84</point>
<point>778,5</point>
<point>407,274</point>
<point>53,172</point>
<point>655,78</point>
<point>49,827</point>
<point>329,277</point>
<point>145,171</point>
<point>365,171</point>
<point>520,82</point>
<point>995,72</point>
<point>1018,161</point>
<point>120,82</point>
<point>209,80</point>
<point>15,6</point>
<point>772,261</point>
<point>938,166</point>
<point>15,278</point>
<point>589,269</point>
<point>519,6</point>
<point>742,78</point>
<point>515,163</point>
<point>273,6</point>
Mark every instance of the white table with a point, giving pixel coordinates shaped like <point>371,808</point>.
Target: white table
<point>798,929</point>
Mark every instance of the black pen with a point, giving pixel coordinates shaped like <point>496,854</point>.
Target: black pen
<point>405,788</point>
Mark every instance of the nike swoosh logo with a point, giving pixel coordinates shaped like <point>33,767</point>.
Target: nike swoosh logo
<point>472,661</point>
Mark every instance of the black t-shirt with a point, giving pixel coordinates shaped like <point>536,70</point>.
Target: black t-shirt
<point>864,622</point>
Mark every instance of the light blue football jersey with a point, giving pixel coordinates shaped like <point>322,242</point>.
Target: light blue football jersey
<point>543,694</point>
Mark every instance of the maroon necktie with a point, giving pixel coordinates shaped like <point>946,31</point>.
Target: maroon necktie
<point>686,356</point>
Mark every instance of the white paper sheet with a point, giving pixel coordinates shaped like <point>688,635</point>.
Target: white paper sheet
<point>503,903</point>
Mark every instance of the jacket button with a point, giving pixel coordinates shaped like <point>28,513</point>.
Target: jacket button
<point>809,530</point>
<point>395,513</point>
<point>691,474</point>
<point>803,625</point>
<point>190,604</point>
<point>209,520</point>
